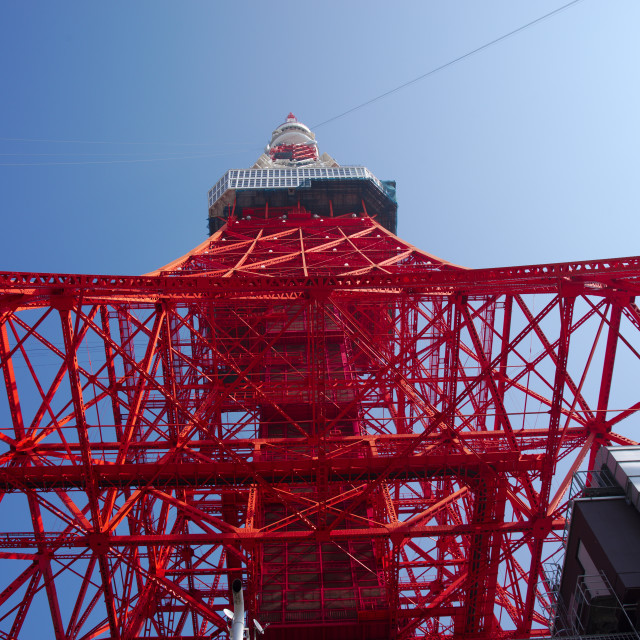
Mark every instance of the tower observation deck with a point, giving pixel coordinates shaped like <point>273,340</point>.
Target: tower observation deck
<point>376,442</point>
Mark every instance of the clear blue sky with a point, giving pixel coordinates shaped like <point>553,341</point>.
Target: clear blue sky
<point>526,152</point>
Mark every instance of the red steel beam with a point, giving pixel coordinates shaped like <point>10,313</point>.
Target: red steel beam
<point>592,277</point>
<point>227,474</point>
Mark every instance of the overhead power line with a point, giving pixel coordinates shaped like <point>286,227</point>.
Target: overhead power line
<point>450,63</point>
<point>120,161</point>
<point>125,142</point>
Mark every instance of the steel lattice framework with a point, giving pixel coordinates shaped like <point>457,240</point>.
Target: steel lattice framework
<point>379,443</point>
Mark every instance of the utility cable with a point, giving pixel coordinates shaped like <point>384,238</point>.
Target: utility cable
<point>121,161</point>
<point>98,154</point>
<point>450,63</point>
<point>321,124</point>
<point>163,144</point>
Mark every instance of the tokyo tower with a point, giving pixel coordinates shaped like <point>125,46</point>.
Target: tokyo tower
<point>375,443</point>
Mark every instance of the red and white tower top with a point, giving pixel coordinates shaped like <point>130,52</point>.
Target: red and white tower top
<point>293,144</point>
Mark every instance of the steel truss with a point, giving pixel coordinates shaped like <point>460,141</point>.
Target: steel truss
<point>377,442</point>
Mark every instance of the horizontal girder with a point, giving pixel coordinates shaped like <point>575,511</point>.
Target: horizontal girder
<point>13,540</point>
<point>595,277</point>
<point>227,475</point>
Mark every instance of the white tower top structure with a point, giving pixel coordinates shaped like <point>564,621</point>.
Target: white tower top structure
<point>293,144</point>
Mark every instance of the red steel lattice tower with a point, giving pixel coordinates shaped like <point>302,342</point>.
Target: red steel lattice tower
<point>378,443</point>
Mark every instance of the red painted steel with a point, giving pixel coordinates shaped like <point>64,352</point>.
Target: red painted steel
<point>377,442</point>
